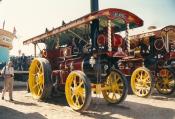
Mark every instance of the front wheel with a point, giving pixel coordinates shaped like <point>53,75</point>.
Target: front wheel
<point>115,86</point>
<point>78,91</point>
<point>165,83</point>
<point>40,79</point>
<point>142,82</point>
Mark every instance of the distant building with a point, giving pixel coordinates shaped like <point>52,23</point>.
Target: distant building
<point>6,39</point>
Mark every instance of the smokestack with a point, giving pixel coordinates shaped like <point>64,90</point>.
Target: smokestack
<point>94,25</point>
<point>94,5</point>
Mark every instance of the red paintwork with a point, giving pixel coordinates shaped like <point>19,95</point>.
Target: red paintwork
<point>116,41</point>
<point>101,40</point>
<point>117,54</point>
<point>129,64</point>
<point>163,73</point>
<point>62,62</point>
<point>57,53</point>
<point>64,67</point>
<point>172,55</point>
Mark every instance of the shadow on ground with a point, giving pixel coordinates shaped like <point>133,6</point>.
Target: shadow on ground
<point>57,100</point>
<point>8,113</point>
<point>99,109</point>
<point>129,110</point>
<point>161,97</point>
<point>23,103</point>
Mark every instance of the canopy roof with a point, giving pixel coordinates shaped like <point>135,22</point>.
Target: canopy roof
<point>120,18</point>
<point>158,33</point>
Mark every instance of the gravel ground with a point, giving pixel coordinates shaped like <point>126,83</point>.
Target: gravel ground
<point>25,107</point>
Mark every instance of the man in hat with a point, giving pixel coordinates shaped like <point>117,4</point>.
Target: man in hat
<point>8,74</point>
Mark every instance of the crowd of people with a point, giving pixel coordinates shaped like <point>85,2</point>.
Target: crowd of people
<point>21,63</point>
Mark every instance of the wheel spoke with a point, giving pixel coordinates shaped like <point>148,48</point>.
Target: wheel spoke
<point>72,89</point>
<point>82,98</point>
<point>39,91</point>
<point>110,78</point>
<point>39,67</point>
<point>146,79</point>
<point>41,87</point>
<point>167,86</point>
<point>141,91</point>
<point>81,91</point>
<point>41,78</point>
<point>138,85</point>
<point>140,75</point>
<point>75,82</point>
<point>77,100</point>
<point>114,96</point>
<point>72,97</point>
<point>34,75</point>
<point>148,85</point>
<point>107,92</point>
<point>81,83</point>
<point>117,80</point>
<point>119,91</point>
<point>145,91</point>
<point>36,85</point>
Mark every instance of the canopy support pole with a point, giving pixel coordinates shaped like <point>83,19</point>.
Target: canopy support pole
<point>34,49</point>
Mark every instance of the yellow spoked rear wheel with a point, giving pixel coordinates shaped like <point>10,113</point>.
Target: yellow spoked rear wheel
<point>142,82</point>
<point>115,87</point>
<point>78,91</point>
<point>165,83</point>
<point>39,81</point>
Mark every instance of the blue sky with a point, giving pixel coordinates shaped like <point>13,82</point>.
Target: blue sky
<point>31,17</point>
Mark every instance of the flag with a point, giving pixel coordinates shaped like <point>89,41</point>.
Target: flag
<point>3,25</point>
<point>14,31</point>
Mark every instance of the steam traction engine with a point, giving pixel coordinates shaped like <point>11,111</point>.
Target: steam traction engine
<point>82,56</point>
<point>151,62</point>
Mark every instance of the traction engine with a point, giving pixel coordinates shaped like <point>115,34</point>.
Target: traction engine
<point>82,57</point>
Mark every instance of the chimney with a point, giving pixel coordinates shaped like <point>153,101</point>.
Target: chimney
<point>94,6</point>
<point>94,25</point>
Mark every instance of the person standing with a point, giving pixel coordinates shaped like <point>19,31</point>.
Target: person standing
<point>8,74</point>
<point>23,60</point>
